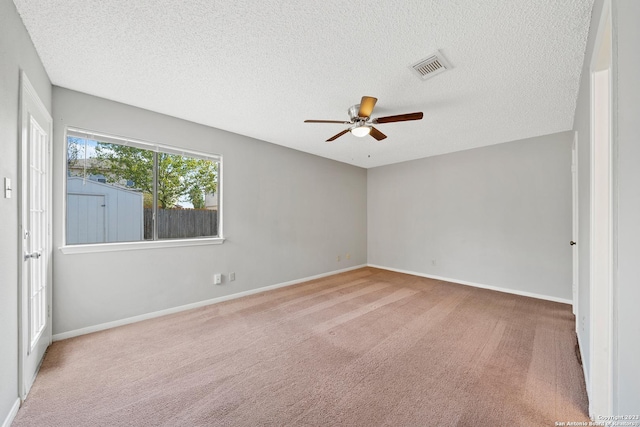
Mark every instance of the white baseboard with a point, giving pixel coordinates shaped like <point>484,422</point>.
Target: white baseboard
<point>476,285</point>
<point>12,414</point>
<point>128,320</point>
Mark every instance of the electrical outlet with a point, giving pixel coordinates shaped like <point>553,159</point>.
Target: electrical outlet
<point>348,256</point>
<point>338,259</point>
<point>217,279</point>
<point>433,262</point>
<point>232,276</point>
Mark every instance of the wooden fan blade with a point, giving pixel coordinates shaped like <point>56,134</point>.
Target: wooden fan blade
<point>399,118</point>
<point>366,106</point>
<point>327,121</point>
<point>377,134</point>
<point>336,136</point>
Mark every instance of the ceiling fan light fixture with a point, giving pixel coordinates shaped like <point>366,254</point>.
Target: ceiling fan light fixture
<point>361,131</point>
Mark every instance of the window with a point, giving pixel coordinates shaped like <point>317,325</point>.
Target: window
<point>123,190</point>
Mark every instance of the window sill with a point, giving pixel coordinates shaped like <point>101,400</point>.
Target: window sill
<point>134,246</point>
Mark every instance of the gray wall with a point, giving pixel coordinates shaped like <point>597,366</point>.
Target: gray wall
<point>497,216</point>
<point>626,59</point>
<point>16,53</point>
<point>287,215</point>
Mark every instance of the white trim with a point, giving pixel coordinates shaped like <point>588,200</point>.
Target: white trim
<point>133,142</point>
<point>145,244</point>
<point>575,231</point>
<point>475,285</point>
<point>12,414</point>
<point>600,387</point>
<point>35,98</point>
<point>134,319</point>
<point>220,189</point>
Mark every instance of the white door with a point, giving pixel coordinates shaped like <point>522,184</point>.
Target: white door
<point>35,295</point>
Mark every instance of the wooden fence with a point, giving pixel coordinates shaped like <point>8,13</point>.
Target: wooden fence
<point>181,223</point>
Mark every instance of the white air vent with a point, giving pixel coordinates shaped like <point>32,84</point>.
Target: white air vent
<point>430,66</point>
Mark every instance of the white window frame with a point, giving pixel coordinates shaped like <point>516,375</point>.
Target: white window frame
<point>142,244</point>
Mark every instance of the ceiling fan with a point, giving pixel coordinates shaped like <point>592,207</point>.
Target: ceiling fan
<point>361,123</point>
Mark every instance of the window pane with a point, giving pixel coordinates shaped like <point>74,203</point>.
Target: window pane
<point>187,197</point>
<point>121,190</point>
<point>109,192</point>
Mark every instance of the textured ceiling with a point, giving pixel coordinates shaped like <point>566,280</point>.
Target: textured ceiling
<point>260,68</point>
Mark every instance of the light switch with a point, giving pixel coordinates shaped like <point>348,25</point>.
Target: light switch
<point>7,188</point>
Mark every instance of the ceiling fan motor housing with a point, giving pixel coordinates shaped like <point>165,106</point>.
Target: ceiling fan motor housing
<point>359,122</point>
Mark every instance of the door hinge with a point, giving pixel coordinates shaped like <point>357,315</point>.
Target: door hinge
<point>49,311</point>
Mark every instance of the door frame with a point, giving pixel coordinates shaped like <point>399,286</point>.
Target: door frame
<point>29,98</point>
<point>575,227</point>
<point>602,337</point>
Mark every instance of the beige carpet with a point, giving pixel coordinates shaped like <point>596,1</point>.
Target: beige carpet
<point>363,348</point>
